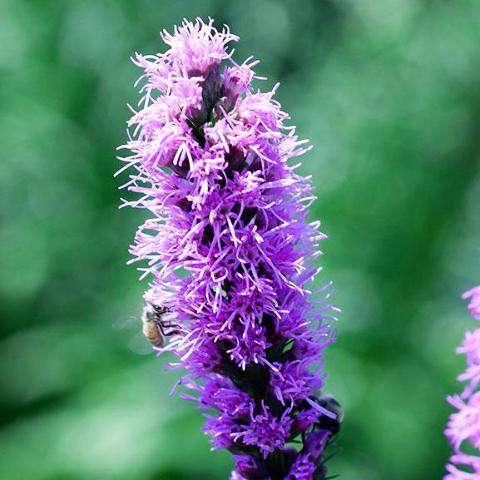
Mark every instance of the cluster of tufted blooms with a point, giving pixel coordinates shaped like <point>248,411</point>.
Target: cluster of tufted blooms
<point>231,253</point>
<point>464,425</point>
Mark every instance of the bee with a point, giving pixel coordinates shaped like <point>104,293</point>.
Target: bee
<point>332,405</point>
<point>155,327</point>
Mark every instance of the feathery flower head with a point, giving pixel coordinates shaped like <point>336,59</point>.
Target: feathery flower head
<point>464,424</point>
<point>474,305</point>
<point>231,255</point>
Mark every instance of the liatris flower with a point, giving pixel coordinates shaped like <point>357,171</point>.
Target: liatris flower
<point>464,425</point>
<point>231,254</point>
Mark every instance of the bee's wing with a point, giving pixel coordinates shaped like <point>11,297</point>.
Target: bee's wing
<point>139,344</point>
<point>131,331</point>
<point>126,323</point>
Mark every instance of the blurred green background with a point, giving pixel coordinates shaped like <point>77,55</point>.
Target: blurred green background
<point>388,92</point>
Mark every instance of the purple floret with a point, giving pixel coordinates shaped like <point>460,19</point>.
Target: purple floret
<point>230,252</point>
<point>463,428</point>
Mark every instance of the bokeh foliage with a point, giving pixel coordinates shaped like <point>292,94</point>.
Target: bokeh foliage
<point>388,92</point>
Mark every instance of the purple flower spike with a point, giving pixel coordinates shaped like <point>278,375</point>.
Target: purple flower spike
<point>464,424</point>
<point>231,255</point>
